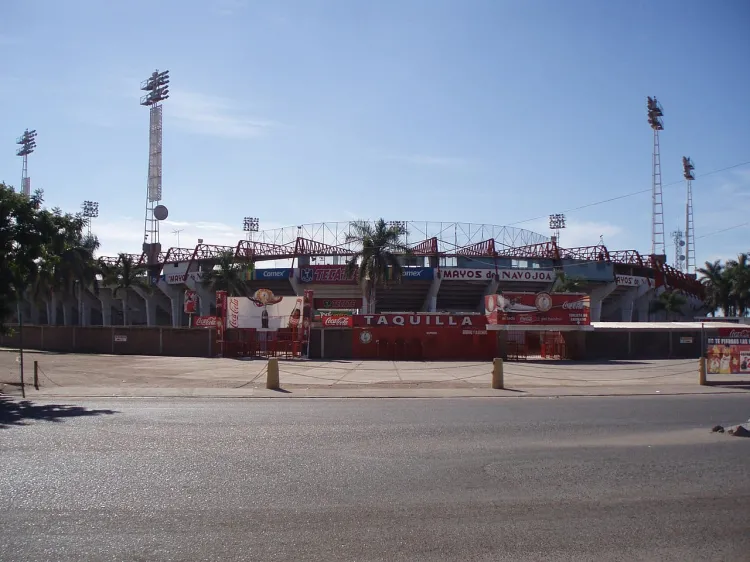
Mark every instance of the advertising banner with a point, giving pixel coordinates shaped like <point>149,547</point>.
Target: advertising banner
<point>516,275</point>
<point>191,302</point>
<point>333,304</point>
<point>551,309</point>
<point>206,322</point>
<point>180,278</point>
<point>436,321</point>
<point>330,274</point>
<point>417,273</point>
<point>264,311</point>
<point>630,280</point>
<point>271,274</point>
<point>729,353</point>
<point>337,321</point>
<point>307,313</point>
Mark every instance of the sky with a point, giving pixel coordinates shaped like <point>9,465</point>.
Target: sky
<point>304,111</point>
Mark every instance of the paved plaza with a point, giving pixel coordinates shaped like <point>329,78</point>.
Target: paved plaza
<point>127,375</point>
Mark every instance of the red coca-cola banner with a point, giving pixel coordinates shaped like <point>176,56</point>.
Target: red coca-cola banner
<point>467,321</point>
<point>206,322</point>
<point>741,332</point>
<point>331,274</point>
<point>337,304</point>
<point>551,309</point>
<point>307,312</point>
<point>337,321</point>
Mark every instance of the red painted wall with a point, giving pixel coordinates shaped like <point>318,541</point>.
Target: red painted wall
<point>423,343</point>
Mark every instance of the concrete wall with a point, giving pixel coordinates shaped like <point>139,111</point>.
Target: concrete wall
<point>643,345</point>
<point>177,342</point>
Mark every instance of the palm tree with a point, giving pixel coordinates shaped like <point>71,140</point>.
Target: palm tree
<point>227,275</point>
<point>671,302</point>
<point>123,276</point>
<point>379,249</point>
<point>738,278</point>
<point>76,270</point>
<point>718,287</point>
<point>565,284</point>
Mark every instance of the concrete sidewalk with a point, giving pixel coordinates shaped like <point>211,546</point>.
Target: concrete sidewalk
<point>74,375</point>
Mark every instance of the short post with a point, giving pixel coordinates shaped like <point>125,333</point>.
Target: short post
<point>497,374</point>
<point>272,378</point>
<point>702,371</point>
<point>36,375</point>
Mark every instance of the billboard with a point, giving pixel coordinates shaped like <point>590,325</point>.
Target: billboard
<point>181,277</point>
<point>271,274</point>
<point>206,322</point>
<point>191,302</point>
<point>516,275</point>
<point>729,353</point>
<point>331,274</point>
<point>630,280</point>
<point>550,309</point>
<point>264,311</point>
<point>337,321</point>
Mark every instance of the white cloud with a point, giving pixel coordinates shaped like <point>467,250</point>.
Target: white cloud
<point>229,7</point>
<point>211,115</point>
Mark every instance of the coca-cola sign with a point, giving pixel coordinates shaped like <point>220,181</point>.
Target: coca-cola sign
<point>430,320</point>
<point>733,332</point>
<point>342,321</point>
<point>206,322</point>
<point>551,309</point>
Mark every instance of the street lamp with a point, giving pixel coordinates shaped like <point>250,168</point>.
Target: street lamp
<point>27,144</point>
<point>250,225</point>
<point>556,224</point>
<point>90,211</point>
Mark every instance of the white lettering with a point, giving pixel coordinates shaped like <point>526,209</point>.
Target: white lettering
<point>415,320</point>
<point>398,320</point>
<point>368,319</point>
<point>382,321</point>
<point>438,321</point>
<point>451,321</point>
<point>466,321</point>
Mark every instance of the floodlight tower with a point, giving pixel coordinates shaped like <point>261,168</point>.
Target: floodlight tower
<point>250,225</point>
<point>90,211</point>
<point>655,114</point>
<point>688,171</point>
<point>157,86</point>
<point>27,144</point>
<point>556,224</point>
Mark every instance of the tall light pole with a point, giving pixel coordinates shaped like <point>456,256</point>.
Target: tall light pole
<point>176,232</point>
<point>249,226</point>
<point>27,144</point>
<point>90,211</point>
<point>157,86</point>
<point>556,224</point>
<point>655,114</point>
<point>688,171</point>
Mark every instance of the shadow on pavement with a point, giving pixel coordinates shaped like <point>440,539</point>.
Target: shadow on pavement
<point>17,412</point>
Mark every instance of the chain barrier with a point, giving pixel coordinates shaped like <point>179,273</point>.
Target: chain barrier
<point>506,372</point>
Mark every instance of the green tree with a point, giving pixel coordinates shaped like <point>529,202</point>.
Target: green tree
<point>670,302</point>
<point>32,240</point>
<point>227,275</point>
<point>376,262</point>
<point>737,273</point>
<point>718,287</point>
<point>565,284</point>
<point>122,277</point>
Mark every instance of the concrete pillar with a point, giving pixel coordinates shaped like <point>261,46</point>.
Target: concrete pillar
<point>150,305</point>
<point>86,302</point>
<point>34,316</point>
<point>106,300</point>
<point>176,296</point>
<point>490,289</point>
<point>52,310</point>
<point>294,282</point>
<point>643,303</point>
<point>597,297</point>
<point>430,301</point>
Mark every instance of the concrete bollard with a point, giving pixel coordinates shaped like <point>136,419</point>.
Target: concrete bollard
<point>702,371</point>
<point>497,374</point>
<point>272,378</point>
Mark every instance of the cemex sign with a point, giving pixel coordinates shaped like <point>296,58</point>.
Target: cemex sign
<point>271,274</point>
<point>427,320</point>
<point>417,273</point>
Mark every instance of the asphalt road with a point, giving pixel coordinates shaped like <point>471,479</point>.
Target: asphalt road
<point>452,479</point>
